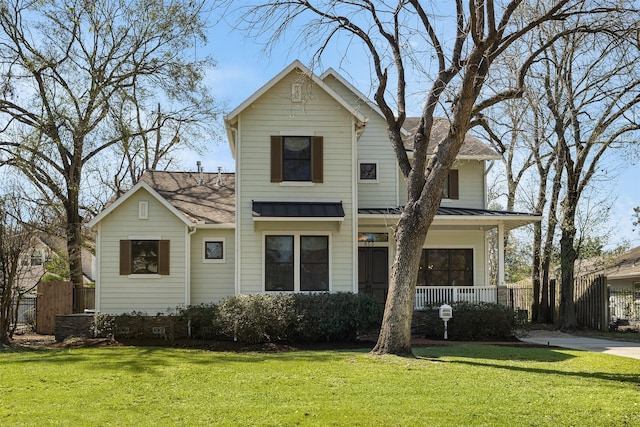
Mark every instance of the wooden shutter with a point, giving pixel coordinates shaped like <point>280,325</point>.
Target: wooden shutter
<point>276,158</point>
<point>317,163</point>
<point>454,190</point>
<point>125,257</point>
<point>163,257</point>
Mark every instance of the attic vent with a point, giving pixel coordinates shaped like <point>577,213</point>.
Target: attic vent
<point>296,92</point>
<point>143,209</point>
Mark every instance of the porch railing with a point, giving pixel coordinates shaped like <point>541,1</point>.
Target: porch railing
<point>430,296</point>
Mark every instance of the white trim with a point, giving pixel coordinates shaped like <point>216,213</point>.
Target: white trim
<point>144,276</point>
<point>238,215</point>
<point>297,132</point>
<point>214,239</point>
<point>297,184</point>
<point>500,278</point>
<point>99,267</point>
<point>377,170</point>
<point>145,237</point>
<point>187,264</point>
<point>298,218</point>
<point>229,118</point>
<point>215,226</point>
<point>354,203</point>
<point>296,257</point>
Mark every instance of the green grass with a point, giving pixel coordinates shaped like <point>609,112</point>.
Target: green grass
<point>443,386</point>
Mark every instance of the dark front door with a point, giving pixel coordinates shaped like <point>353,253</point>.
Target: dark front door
<point>373,272</point>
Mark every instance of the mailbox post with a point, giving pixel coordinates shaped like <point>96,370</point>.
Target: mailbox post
<point>446,313</point>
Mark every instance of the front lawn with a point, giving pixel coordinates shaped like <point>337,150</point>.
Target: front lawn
<point>445,386</point>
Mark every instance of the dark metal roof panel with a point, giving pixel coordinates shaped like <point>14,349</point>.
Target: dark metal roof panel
<point>298,209</point>
<point>446,211</point>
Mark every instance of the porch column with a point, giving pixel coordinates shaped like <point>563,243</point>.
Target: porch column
<point>500,272</point>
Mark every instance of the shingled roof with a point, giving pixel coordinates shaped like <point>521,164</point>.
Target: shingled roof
<point>209,203</point>
<point>471,148</point>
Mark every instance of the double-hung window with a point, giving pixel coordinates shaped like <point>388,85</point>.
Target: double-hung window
<point>144,256</point>
<point>296,263</point>
<point>296,159</point>
<point>451,186</point>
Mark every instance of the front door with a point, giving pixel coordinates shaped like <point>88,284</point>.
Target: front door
<point>373,272</point>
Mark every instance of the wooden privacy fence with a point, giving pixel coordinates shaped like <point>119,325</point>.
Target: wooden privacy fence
<point>591,299</point>
<point>84,299</point>
<point>53,298</point>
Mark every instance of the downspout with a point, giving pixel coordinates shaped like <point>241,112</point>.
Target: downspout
<point>236,232</point>
<point>187,287</point>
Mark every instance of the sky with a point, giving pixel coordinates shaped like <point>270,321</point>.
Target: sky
<point>242,68</point>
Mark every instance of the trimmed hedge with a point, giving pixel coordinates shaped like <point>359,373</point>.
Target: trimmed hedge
<point>257,318</point>
<point>471,322</point>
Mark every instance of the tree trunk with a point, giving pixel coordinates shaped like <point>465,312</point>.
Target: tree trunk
<point>535,271</point>
<point>74,234</point>
<point>395,332</point>
<point>567,317</point>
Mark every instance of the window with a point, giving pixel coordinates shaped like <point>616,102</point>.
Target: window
<point>296,159</point>
<point>368,171</point>
<point>451,186</point>
<point>314,263</point>
<point>446,267</point>
<point>278,268</point>
<point>144,256</point>
<point>36,258</point>
<point>296,263</point>
<point>213,250</point>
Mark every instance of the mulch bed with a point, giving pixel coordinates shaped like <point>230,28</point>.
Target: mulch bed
<point>48,342</point>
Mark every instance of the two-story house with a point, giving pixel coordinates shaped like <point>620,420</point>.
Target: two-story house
<point>310,208</point>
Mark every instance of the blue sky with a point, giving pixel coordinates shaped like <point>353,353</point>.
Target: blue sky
<point>242,68</point>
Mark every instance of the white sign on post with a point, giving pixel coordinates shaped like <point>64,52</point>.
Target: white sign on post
<point>446,313</point>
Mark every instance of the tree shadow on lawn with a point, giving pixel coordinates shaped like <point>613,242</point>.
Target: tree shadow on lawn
<point>481,356</point>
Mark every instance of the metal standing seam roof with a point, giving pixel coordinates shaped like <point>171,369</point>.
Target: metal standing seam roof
<point>297,209</point>
<point>447,211</point>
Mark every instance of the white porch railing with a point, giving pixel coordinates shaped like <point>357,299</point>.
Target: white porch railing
<point>430,296</point>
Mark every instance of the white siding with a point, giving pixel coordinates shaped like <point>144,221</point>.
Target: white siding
<point>471,185</point>
<point>272,114</point>
<point>373,146</point>
<point>212,282</point>
<point>124,294</point>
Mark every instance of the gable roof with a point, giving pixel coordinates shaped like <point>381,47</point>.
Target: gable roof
<point>472,147</point>
<point>181,193</point>
<point>232,117</point>
<point>623,266</point>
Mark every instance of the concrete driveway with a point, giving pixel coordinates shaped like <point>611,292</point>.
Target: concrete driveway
<point>560,339</point>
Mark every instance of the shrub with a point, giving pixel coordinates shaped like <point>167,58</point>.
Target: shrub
<point>471,322</point>
<point>257,318</point>
<point>204,320</point>
<point>298,317</point>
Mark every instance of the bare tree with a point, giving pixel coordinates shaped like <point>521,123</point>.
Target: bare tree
<point>402,38</point>
<point>592,92</point>
<point>68,68</point>
<point>16,236</point>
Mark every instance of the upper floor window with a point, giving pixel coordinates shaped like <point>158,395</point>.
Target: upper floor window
<point>368,171</point>
<point>296,159</point>
<point>451,186</point>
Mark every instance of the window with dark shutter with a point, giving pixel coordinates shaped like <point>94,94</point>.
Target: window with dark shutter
<point>144,257</point>
<point>451,186</point>
<point>297,159</point>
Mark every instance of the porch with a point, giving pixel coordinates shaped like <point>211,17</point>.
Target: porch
<point>430,296</point>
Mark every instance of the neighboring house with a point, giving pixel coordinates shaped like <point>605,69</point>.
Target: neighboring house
<point>310,208</point>
<point>622,273</point>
